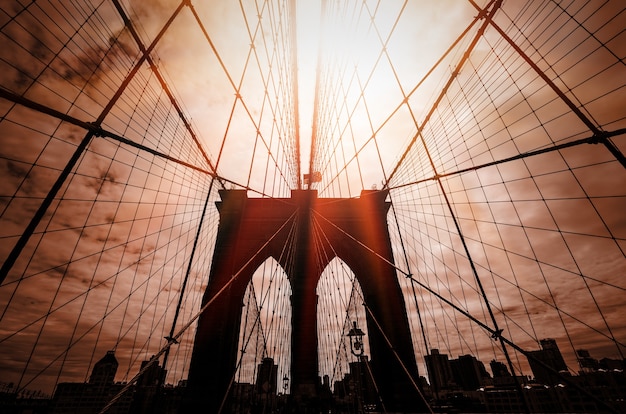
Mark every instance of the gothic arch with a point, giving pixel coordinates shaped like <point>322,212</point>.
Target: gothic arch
<point>347,296</point>
<point>269,280</point>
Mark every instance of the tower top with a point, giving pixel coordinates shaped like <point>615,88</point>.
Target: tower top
<point>104,370</point>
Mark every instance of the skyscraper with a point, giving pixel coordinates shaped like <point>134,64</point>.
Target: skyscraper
<point>104,370</point>
<point>547,363</point>
<point>499,369</point>
<point>267,379</point>
<point>469,373</point>
<point>439,370</point>
<point>91,397</point>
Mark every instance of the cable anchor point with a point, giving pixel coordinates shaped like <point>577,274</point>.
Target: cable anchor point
<point>170,340</point>
<point>497,334</point>
<point>96,129</point>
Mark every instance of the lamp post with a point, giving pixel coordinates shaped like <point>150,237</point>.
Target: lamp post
<point>356,347</point>
<point>284,399</point>
<point>356,340</point>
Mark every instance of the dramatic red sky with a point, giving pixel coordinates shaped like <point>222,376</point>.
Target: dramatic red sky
<point>547,234</point>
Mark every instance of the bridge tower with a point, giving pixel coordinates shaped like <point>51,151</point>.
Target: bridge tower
<point>254,229</point>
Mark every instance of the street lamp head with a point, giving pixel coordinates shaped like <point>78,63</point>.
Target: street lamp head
<point>356,340</point>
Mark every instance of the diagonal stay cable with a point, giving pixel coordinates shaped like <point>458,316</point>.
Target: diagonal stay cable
<point>495,333</point>
<point>323,256</point>
<point>47,201</point>
<point>482,15</point>
<point>410,93</point>
<point>391,347</point>
<point>98,131</point>
<point>190,263</point>
<point>395,354</point>
<point>594,139</point>
<point>575,109</point>
<point>157,73</point>
<point>285,252</point>
<point>174,339</point>
<point>487,13</point>
<point>256,324</point>
<point>231,81</point>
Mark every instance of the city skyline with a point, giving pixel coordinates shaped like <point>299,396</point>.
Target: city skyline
<point>464,374</point>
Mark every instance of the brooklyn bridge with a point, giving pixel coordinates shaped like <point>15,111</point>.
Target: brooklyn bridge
<point>335,206</point>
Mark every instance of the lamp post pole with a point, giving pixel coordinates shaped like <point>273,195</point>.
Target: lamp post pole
<point>356,347</point>
<point>285,398</point>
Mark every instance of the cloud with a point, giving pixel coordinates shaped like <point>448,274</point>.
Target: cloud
<point>543,230</point>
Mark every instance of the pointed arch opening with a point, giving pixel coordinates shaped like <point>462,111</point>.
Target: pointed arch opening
<point>264,335</point>
<point>340,305</point>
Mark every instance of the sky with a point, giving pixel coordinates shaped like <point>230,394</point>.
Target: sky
<point>112,247</point>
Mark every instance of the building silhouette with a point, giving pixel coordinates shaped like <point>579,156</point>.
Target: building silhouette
<point>147,395</point>
<point>356,391</point>
<point>92,396</point>
<point>499,369</point>
<point>469,373</point>
<point>547,364</point>
<point>104,370</point>
<point>266,385</point>
<point>465,386</point>
<point>585,362</point>
<point>267,377</point>
<point>439,371</point>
